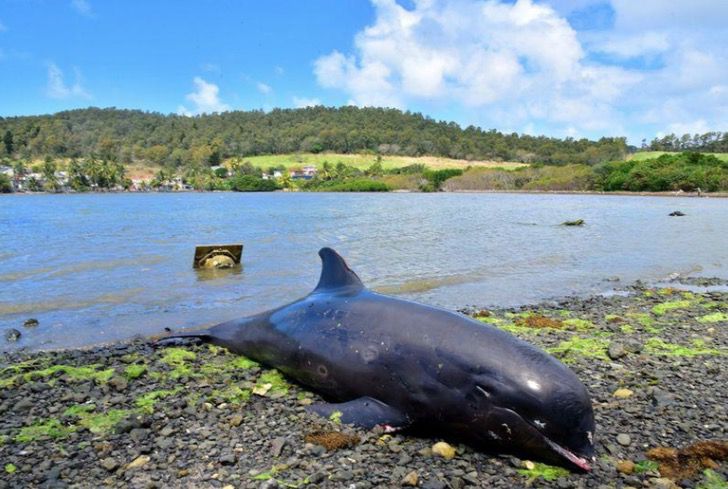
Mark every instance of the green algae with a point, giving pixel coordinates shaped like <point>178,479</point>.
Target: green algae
<point>712,480</point>
<point>646,466</point>
<point>146,402</point>
<point>657,346</point>
<point>79,409</point>
<point>10,469</point>
<point>544,471</point>
<point>336,417</point>
<point>665,307</point>
<point>101,423</point>
<point>178,359</point>
<point>96,423</point>
<point>578,346</point>
<point>50,428</point>
<point>646,321</point>
<point>89,372</point>
<point>134,371</point>
<point>716,317</point>
<point>627,329</point>
<point>232,394</point>
<point>278,385</point>
<point>578,324</point>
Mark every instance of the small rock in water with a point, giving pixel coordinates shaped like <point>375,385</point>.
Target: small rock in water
<point>624,439</point>
<point>577,222</point>
<point>622,393</point>
<point>12,335</point>
<point>444,450</point>
<point>31,323</point>
<point>411,479</point>
<point>676,214</point>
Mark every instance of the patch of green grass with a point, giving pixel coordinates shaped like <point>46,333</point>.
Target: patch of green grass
<point>546,472</point>
<point>279,386</point>
<point>626,329</point>
<point>490,320</point>
<point>146,402</point>
<point>578,324</point>
<point>577,346</point>
<point>50,428</point>
<point>712,480</point>
<point>232,394</point>
<point>10,468</point>
<point>716,317</point>
<point>646,466</point>
<point>651,155</point>
<point>665,307</point>
<point>134,371</point>
<point>177,359</point>
<point>657,346</point>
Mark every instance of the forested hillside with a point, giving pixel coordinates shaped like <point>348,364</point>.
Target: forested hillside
<point>127,136</point>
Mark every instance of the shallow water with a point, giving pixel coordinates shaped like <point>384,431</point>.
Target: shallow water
<point>100,267</point>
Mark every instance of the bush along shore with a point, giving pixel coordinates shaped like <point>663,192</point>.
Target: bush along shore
<point>136,415</point>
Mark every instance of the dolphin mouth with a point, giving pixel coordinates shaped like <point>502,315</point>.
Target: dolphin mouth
<point>580,462</point>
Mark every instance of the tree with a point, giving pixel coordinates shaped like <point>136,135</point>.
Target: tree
<point>8,142</point>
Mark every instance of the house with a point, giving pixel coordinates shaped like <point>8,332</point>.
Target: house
<point>306,173</point>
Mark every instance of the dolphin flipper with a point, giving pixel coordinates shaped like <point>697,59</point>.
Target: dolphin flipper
<point>365,412</point>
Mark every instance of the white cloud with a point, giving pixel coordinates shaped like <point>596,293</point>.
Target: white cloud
<point>206,99</point>
<point>82,7</point>
<point>301,102</point>
<point>514,64</point>
<point>56,86</point>
<point>699,126</point>
<point>263,88</point>
<point>278,70</point>
<point>210,67</point>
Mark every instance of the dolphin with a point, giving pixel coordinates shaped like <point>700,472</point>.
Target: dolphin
<point>383,361</point>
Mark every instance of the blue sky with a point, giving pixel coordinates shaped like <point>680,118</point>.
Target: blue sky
<point>559,67</point>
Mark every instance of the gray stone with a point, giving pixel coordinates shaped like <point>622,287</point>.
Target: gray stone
<point>616,350</point>
<point>624,439</point>
<point>12,335</point>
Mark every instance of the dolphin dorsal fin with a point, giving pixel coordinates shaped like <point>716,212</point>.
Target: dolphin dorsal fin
<point>336,274</point>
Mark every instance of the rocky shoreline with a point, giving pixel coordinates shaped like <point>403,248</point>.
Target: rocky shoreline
<point>133,415</point>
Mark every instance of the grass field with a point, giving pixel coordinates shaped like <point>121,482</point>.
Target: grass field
<point>364,161</point>
<point>648,155</point>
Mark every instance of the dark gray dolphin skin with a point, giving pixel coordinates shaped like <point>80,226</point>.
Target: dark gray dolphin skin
<point>393,363</point>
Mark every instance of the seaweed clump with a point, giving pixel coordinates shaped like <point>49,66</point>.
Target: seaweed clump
<point>685,463</point>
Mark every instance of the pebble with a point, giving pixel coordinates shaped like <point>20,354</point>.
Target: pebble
<point>140,461</point>
<point>411,479</point>
<point>616,350</point>
<point>624,439</point>
<point>625,466</point>
<point>109,464</point>
<point>31,323</point>
<point>444,450</point>
<point>622,393</point>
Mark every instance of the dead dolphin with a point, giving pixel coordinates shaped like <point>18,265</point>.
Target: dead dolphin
<point>398,364</point>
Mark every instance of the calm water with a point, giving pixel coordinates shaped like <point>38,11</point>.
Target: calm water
<point>95,268</point>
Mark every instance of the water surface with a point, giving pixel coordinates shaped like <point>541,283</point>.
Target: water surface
<point>99,267</point>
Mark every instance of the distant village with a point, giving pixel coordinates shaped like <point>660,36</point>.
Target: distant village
<point>37,182</point>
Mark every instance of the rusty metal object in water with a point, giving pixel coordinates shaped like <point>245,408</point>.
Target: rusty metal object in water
<point>218,256</point>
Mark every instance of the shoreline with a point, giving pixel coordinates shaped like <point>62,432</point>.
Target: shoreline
<point>129,414</point>
<point>717,195</point>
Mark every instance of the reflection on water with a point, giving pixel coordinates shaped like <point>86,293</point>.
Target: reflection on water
<point>204,274</point>
<point>96,268</point>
